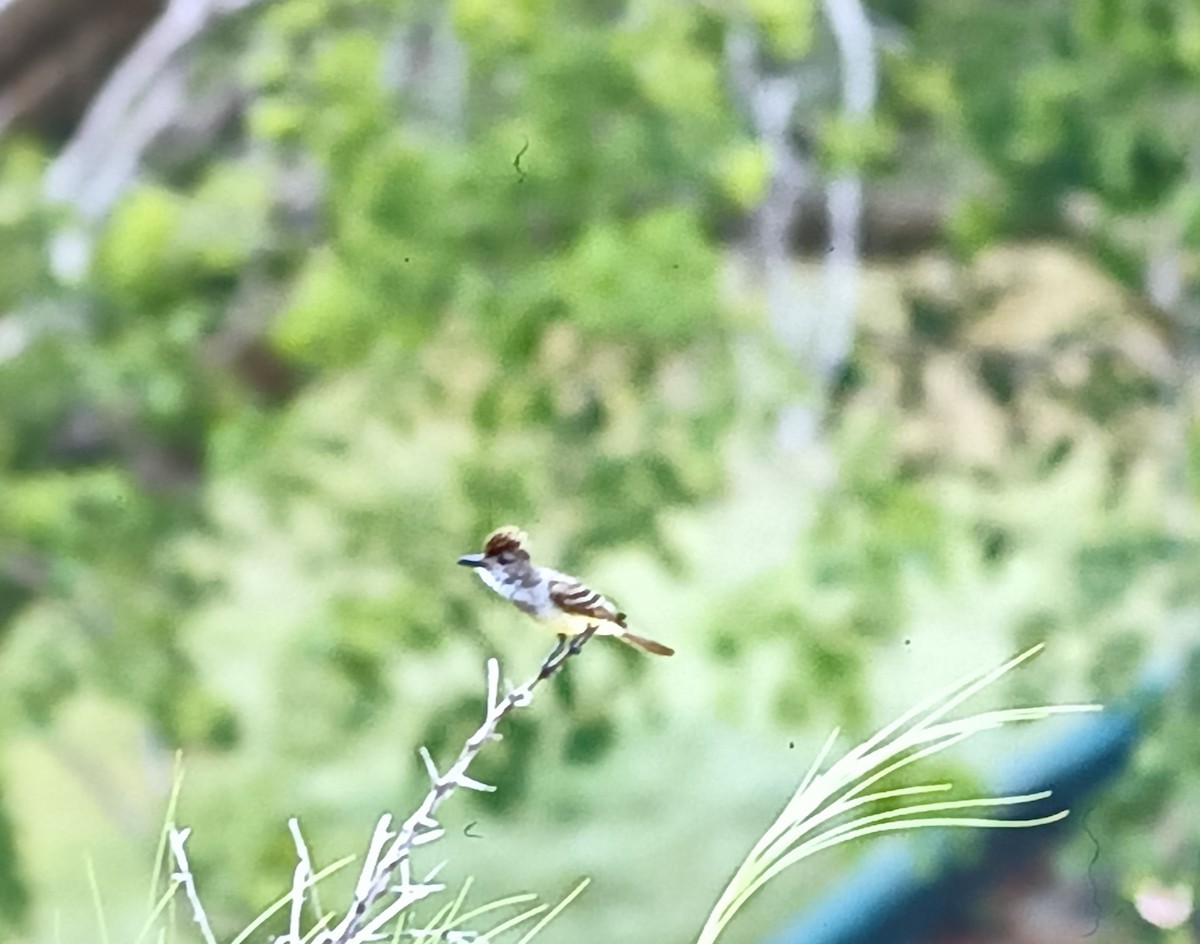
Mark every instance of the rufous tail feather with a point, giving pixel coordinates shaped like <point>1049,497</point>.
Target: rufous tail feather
<point>646,645</point>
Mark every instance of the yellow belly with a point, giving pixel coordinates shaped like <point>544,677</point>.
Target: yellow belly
<point>572,624</point>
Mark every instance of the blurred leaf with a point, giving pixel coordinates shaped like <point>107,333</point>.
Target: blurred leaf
<point>14,895</point>
<point>589,740</point>
<point>652,280</point>
<point>139,259</point>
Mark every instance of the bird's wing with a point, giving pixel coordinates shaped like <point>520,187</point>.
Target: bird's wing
<point>571,596</point>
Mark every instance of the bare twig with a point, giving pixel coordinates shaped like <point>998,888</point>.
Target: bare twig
<point>183,875</point>
<point>388,856</point>
<point>302,880</point>
<point>386,871</point>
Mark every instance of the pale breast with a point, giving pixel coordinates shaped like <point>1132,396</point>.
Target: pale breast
<point>530,597</point>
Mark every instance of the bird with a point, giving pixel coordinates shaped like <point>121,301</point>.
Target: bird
<point>564,603</point>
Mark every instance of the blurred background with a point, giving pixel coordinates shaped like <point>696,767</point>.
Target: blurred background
<point>849,346</point>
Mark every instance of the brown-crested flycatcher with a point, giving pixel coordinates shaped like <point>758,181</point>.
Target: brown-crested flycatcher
<point>556,599</point>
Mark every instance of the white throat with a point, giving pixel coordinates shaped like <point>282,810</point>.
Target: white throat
<point>502,587</point>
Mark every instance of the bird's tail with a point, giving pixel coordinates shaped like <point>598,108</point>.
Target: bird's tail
<point>646,645</point>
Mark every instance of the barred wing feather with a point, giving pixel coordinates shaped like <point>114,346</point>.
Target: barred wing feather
<point>573,597</point>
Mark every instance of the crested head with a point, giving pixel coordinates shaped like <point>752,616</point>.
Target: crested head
<point>508,538</point>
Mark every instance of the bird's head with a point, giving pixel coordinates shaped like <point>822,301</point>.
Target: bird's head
<point>501,549</point>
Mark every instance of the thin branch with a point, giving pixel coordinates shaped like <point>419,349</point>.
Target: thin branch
<point>302,880</point>
<point>183,875</point>
<point>388,856</point>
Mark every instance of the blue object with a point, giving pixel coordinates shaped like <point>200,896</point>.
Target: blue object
<point>909,886</point>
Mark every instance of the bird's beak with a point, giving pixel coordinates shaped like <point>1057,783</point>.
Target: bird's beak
<point>471,560</point>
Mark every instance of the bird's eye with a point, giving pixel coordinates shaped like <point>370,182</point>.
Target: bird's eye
<point>505,558</point>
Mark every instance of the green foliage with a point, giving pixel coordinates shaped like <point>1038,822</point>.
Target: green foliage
<point>14,894</point>
<point>328,320</point>
<point>743,174</point>
<point>855,146</point>
<point>648,283</point>
<point>25,222</point>
<point>844,592</point>
<point>787,27</point>
<point>163,248</point>
<point>1060,101</point>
